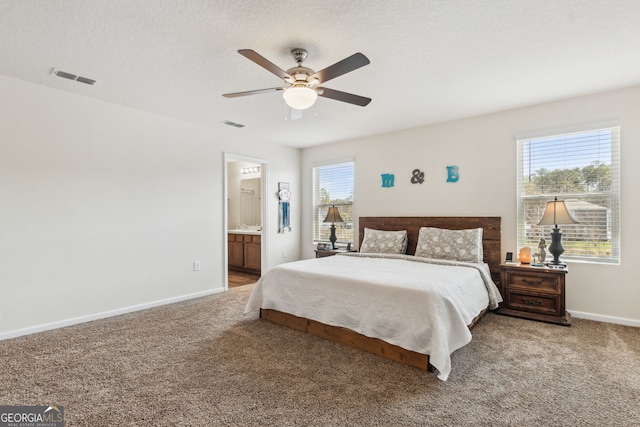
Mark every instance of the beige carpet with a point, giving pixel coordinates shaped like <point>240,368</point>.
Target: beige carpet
<point>203,363</point>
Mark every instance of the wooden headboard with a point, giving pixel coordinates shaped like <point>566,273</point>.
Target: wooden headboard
<point>491,232</point>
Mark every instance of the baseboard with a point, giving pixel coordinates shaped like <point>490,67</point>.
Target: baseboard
<point>605,319</point>
<point>82,319</point>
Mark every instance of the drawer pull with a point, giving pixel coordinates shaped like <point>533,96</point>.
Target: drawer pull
<point>532,282</point>
<point>532,302</point>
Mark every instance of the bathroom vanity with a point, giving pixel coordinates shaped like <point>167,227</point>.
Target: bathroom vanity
<point>244,248</point>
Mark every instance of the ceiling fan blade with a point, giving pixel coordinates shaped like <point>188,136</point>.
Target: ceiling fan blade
<point>345,66</point>
<point>264,63</point>
<point>344,96</point>
<point>252,92</point>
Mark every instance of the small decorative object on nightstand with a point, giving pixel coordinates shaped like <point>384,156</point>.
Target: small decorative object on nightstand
<point>542,254</point>
<point>535,293</point>
<point>524,256</point>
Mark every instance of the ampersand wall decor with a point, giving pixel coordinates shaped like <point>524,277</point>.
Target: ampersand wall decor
<point>418,177</point>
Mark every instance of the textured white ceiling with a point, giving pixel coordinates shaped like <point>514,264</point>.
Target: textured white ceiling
<point>431,60</point>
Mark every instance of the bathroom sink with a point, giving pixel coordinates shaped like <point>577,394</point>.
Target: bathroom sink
<point>252,232</point>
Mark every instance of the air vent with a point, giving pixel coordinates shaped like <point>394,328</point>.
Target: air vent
<point>74,77</point>
<point>230,123</point>
<point>65,75</point>
<point>85,80</point>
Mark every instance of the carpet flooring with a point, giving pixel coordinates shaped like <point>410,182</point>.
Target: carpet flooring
<point>204,363</point>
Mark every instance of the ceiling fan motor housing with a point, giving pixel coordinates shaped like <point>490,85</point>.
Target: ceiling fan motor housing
<point>299,55</point>
<point>302,75</point>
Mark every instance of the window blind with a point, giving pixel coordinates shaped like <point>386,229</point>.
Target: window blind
<point>583,169</point>
<point>333,186</point>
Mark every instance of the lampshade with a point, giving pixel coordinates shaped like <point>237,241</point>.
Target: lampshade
<point>300,97</point>
<point>556,213</point>
<point>333,215</point>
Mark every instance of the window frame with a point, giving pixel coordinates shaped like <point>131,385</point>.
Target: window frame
<point>612,194</point>
<point>319,210</point>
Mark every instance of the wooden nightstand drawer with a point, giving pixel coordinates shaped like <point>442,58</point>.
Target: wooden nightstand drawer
<point>534,303</point>
<point>537,281</point>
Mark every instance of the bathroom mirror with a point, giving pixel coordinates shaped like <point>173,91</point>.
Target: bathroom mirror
<point>250,201</point>
<point>244,196</point>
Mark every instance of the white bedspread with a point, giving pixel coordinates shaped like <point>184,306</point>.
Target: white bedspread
<point>407,301</point>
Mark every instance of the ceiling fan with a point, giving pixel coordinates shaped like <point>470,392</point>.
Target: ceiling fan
<point>303,84</point>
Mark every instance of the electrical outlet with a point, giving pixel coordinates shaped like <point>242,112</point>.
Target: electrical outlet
<point>196,265</point>
<point>284,253</point>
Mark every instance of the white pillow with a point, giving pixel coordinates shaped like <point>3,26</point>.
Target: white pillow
<point>457,245</point>
<point>384,242</point>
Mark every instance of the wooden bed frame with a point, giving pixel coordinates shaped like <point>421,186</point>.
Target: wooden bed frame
<point>492,255</point>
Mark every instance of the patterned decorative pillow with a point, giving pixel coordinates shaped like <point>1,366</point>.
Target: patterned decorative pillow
<point>456,245</point>
<point>384,242</point>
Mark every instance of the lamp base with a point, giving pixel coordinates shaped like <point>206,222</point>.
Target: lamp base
<point>555,248</point>
<point>559,265</point>
<point>333,237</point>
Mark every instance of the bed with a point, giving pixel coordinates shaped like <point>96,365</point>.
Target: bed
<point>382,302</point>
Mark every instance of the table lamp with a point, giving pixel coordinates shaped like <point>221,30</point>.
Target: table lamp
<point>333,216</point>
<point>556,213</point>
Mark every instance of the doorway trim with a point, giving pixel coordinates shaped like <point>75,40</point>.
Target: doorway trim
<point>264,212</point>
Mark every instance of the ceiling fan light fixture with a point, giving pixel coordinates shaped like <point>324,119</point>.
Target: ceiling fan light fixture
<point>300,97</point>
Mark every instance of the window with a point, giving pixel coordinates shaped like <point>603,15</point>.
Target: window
<point>333,186</point>
<point>583,169</point>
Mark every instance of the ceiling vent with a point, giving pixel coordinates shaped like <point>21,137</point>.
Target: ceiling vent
<point>230,123</point>
<point>70,76</point>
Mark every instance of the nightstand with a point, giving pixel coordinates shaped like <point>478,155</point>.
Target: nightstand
<point>321,253</point>
<point>536,293</point>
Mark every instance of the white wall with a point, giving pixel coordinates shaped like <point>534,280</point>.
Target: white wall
<point>484,148</point>
<point>104,208</point>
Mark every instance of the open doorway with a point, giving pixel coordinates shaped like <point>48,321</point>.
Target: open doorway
<point>245,216</point>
